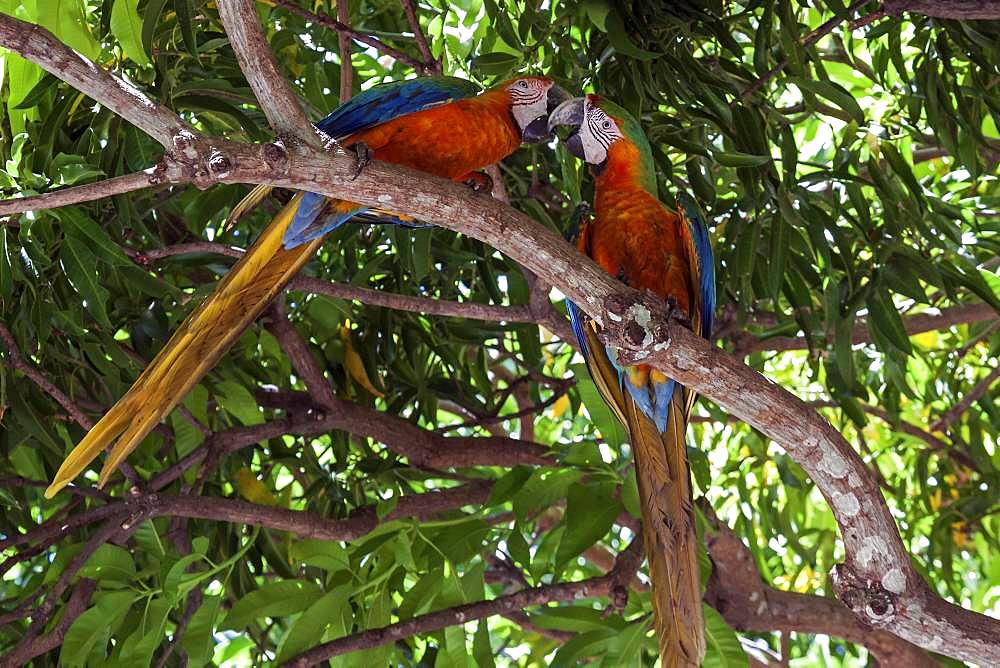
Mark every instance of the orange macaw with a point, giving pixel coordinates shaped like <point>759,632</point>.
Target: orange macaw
<point>645,244</point>
<point>441,125</point>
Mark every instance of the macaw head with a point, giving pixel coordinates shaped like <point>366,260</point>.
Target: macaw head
<point>603,131</point>
<point>531,101</point>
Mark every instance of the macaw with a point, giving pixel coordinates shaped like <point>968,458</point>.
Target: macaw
<point>647,245</point>
<point>441,125</point>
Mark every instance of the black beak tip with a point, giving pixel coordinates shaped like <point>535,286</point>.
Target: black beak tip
<point>537,131</point>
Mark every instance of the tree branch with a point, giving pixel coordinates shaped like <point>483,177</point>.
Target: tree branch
<point>339,26</point>
<point>425,50</point>
<point>277,99</point>
<point>961,10</point>
<point>77,604</point>
<point>735,589</point>
<point>811,38</point>
<point>569,591</point>
<point>38,45</point>
<point>344,45</point>
<point>17,362</point>
<point>118,185</point>
<point>980,389</point>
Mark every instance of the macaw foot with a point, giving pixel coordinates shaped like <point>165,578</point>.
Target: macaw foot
<point>675,312</point>
<point>363,155</point>
<point>479,182</point>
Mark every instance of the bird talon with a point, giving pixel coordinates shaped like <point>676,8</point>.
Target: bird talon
<point>363,155</point>
<point>479,182</point>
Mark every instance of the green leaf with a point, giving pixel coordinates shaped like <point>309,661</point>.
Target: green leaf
<point>482,650</point>
<point>126,24</point>
<point>6,269</point>
<point>590,512</point>
<point>274,599</point>
<point>886,324</point>
<point>94,625</point>
<point>620,39</point>
<point>723,649</point>
<point>109,564</point>
<point>737,159</point>
<point>835,93</point>
<point>611,428</point>
<point>66,20</point>
<point>495,63</point>
<point>197,640</point>
<point>89,233</point>
<point>237,400</point>
<point>308,629</point>
<point>81,270</point>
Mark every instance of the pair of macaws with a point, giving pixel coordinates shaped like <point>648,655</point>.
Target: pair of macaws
<point>447,127</point>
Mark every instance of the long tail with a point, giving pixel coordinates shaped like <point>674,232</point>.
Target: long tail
<point>193,350</point>
<point>669,534</point>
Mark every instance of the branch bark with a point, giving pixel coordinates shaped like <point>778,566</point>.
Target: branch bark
<point>961,10</point>
<point>91,191</point>
<point>952,415</point>
<point>38,45</point>
<point>277,100</point>
<point>735,589</point>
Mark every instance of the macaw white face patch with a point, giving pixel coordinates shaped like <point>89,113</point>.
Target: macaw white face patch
<point>597,133</point>
<point>529,100</point>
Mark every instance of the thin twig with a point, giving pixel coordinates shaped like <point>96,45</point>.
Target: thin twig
<point>978,391</point>
<point>17,361</point>
<point>118,185</point>
<point>344,42</point>
<point>334,24</point>
<point>418,34</point>
<point>811,38</point>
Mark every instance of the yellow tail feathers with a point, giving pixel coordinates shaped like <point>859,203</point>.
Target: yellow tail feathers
<point>667,516</point>
<point>669,534</point>
<point>193,350</point>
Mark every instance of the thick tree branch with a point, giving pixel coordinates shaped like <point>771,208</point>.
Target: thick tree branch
<point>961,10</point>
<point>42,48</point>
<point>735,589</point>
<point>277,99</point>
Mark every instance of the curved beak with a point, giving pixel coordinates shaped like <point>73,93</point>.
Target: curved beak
<point>570,113</point>
<point>538,130</point>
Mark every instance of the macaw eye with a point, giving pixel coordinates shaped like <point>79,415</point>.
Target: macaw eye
<point>606,124</point>
<point>522,83</point>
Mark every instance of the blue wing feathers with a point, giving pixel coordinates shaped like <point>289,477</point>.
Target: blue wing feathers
<point>384,102</point>
<point>379,104</point>
<point>706,261</point>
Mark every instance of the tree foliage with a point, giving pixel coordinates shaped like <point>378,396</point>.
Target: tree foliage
<point>849,174</point>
